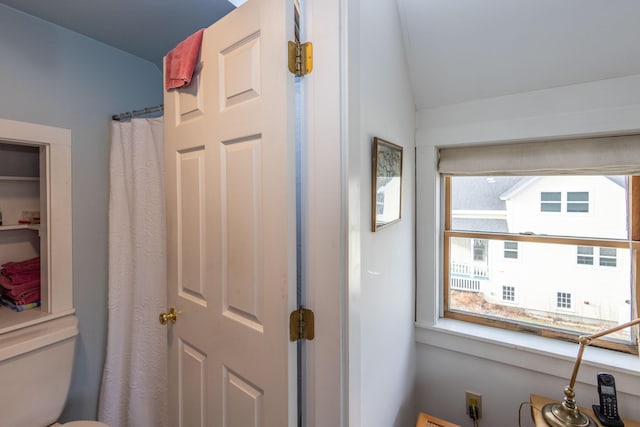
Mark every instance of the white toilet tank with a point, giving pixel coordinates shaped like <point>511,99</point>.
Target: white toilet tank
<point>35,371</point>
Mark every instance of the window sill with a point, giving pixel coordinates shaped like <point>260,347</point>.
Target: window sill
<point>544,355</point>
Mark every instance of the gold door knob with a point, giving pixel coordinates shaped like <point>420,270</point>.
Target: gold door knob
<point>168,317</point>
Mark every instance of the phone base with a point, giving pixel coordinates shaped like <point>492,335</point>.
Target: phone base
<point>608,422</point>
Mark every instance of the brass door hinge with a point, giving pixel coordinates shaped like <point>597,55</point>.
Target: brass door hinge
<point>301,325</point>
<point>300,58</point>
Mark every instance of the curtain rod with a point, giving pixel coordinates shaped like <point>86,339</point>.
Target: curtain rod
<point>135,113</point>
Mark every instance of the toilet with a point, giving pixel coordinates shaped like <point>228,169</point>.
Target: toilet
<point>36,362</point>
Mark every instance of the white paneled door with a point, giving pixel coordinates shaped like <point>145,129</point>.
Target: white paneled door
<point>230,179</point>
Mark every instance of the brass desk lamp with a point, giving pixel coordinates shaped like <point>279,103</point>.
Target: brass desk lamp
<point>567,414</point>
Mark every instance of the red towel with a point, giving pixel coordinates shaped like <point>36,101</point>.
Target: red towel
<point>181,61</point>
<point>21,266</point>
<point>15,290</point>
<point>27,297</point>
<point>25,277</point>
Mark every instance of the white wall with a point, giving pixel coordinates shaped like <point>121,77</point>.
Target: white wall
<point>506,367</point>
<point>52,76</point>
<point>381,264</point>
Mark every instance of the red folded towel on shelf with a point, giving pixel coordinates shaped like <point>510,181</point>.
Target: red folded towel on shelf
<point>20,283</point>
<point>32,264</point>
<point>181,61</point>
<point>26,297</point>
<point>25,277</point>
<point>14,291</point>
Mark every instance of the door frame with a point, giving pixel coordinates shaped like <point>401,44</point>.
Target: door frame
<point>324,214</point>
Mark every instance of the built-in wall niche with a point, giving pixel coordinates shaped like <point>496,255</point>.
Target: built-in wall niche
<point>35,203</point>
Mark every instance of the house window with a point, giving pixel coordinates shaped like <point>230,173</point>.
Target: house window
<point>511,250</point>
<point>550,201</point>
<point>608,257</point>
<point>585,255</point>
<point>500,213</point>
<point>479,250</point>
<point>508,293</point>
<point>563,300</point>
<point>578,201</point>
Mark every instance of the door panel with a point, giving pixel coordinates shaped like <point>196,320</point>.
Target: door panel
<point>242,231</point>
<point>230,174</point>
<point>192,374</point>
<point>190,173</point>
<point>240,67</point>
<point>243,402</point>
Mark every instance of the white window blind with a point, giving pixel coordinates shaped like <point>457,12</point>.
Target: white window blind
<point>619,155</point>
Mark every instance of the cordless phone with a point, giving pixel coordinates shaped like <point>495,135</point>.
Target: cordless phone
<point>607,412</point>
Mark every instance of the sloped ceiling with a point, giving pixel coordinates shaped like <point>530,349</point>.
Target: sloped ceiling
<point>457,50</point>
<point>461,50</point>
<point>145,28</point>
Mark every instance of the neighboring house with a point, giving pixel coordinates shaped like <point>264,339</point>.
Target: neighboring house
<point>567,281</point>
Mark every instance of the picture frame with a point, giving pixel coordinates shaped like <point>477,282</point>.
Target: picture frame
<point>386,184</point>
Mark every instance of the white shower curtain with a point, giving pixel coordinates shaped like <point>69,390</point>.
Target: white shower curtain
<point>134,383</point>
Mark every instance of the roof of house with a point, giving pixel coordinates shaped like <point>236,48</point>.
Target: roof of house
<point>480,193</point>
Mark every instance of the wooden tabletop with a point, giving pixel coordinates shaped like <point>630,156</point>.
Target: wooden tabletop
<point>425,420</point>
<point>537,402</point>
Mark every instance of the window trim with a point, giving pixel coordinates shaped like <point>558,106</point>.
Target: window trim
<point>633,243</point>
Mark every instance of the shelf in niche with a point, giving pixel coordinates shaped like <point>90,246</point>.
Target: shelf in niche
<point>11,320</point>
<point>20,178</point>
<point>34,227</point>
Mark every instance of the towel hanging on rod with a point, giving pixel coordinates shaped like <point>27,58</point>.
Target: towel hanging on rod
<point>136,113</point>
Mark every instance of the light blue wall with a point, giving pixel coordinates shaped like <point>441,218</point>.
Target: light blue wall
<point>56,77</point>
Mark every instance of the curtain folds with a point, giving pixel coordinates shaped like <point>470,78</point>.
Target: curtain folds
<point>134,383</point>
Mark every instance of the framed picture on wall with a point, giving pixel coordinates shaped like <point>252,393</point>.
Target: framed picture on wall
<point>386,184</point>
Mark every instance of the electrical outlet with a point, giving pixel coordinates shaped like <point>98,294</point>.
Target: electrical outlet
<point>473,399</point>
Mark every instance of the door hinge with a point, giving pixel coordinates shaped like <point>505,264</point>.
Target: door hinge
<point>300,58</point>
<point>301,325</point>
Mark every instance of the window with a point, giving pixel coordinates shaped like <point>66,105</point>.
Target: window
<point>550,201</point>
<point>479,250</point>
<point>499,213</point>
<point>577,201</point>
<point>568,205</point>
<point>608,257</point>
<point>508,293</point>
<point>585,255</point>
<point>511,250</point>
<point>563,300</point>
